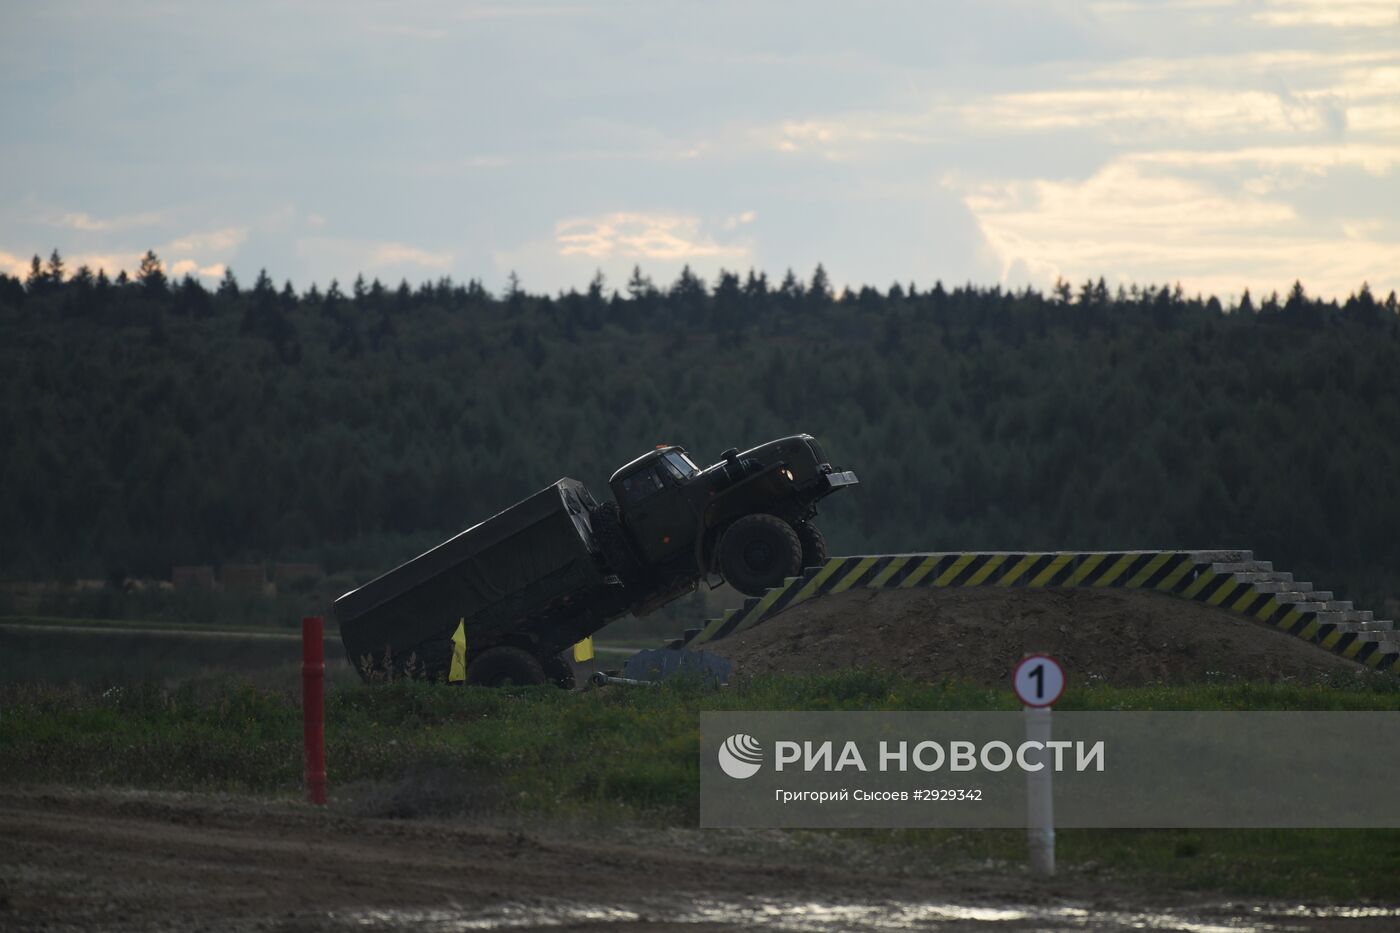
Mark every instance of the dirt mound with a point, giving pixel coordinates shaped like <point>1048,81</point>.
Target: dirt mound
<point>1120,637</point>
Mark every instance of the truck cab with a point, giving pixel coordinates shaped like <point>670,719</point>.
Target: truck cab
<point>677,515</point>
<point>651,495</point>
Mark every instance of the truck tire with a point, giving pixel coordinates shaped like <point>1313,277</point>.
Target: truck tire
<point>813,544</point>
<point>612,540</point>
<point>758,552</point>
<point>504,666</point>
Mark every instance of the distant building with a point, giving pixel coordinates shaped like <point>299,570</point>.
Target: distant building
<point>198,576</point>
<point>250,578</point>
<point>283,574</point>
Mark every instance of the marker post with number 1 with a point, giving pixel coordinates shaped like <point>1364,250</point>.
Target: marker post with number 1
<point>1038,681</point>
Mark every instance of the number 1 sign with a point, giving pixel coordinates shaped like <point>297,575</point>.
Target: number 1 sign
<point>1038,680</point>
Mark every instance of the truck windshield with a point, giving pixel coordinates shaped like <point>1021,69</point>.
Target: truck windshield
<point>682,463</point>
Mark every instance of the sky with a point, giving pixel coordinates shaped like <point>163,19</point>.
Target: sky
<point>1219,145</point>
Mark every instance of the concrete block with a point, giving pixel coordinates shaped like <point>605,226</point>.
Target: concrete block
<point>1346,626</point>
<point>1246,576</point>
<point>1237,566</point>
<point>1215,557</point>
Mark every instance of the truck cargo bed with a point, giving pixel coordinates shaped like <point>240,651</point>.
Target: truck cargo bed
<point>527,574</point>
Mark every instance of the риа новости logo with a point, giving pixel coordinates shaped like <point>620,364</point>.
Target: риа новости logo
<point>740,756</point>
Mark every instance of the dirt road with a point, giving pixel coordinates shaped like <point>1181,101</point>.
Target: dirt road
<point>119,861</point>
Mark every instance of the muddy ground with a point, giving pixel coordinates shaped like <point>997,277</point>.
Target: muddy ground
<point>1119,637</point>
<point>126,860</point>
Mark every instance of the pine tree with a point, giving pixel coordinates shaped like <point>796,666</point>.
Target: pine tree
<point>819,292</point>
<point>756,286</point>
<point>36,280</point>
<point>1297,299</point>
<point>596,304</point>
<point>790,290</point>
<point>55,269</point>
<point>152,276</point>
<point>191,297</point>
<point>515,298</point>
<point>688,293</point>
<point>639,286</point>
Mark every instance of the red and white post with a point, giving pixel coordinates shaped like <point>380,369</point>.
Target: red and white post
<point>313,706</point>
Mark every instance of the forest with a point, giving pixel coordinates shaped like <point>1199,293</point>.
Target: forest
<point>149,423</point>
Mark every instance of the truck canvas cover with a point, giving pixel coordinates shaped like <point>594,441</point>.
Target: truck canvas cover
<point>492,576</point>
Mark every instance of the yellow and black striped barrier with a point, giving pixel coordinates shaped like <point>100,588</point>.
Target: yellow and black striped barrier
<point>1232,580</point>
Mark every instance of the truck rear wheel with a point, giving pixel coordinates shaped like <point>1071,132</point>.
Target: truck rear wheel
<point>813,545</point>
<point>758,552</point>
<point>505,666</point>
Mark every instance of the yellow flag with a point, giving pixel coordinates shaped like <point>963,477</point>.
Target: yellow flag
<point>458,671</point>
<point>583,651</point>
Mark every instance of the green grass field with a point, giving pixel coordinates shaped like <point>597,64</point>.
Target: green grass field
<point>546,756</point>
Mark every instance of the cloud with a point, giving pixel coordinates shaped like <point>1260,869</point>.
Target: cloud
<point>641,236</point>
<point>13,265</point>
<point>845,136</point>
<point>78,220</point>
<point>1128,104</point>
<point>523,10</point>
<point>397,254</point>
<point>1130,222</point>
<point>186,267</point>
<point>1133,114</point>
<point>661,244</point>
<point>221,240</point>
<point>1235,69</point>
<point>345,257</point>
<point>1341,14</point>
<point>739,220</point>
<point>111,263</point>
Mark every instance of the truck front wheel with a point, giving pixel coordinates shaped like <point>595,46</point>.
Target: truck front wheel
<point>505,666</point>
<point>813,545</point>
<point>759,552</point>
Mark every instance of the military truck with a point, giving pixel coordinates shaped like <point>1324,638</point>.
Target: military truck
<point>509,596</point>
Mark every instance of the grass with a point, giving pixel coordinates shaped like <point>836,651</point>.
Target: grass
<point>156,626</point>
<point>107,656</point>
<point>629,755</point>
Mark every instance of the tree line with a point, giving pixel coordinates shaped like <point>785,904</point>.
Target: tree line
<point>151,422</point>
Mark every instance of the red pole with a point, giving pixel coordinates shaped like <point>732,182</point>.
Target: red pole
<point>313,691</point>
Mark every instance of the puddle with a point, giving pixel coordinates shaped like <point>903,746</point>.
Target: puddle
<point>881,917</point>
